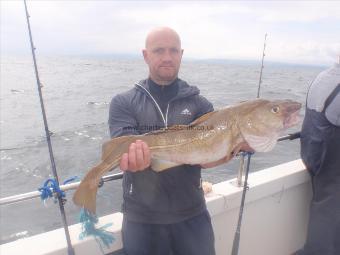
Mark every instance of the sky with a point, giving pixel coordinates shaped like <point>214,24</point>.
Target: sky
<point>301,32</point>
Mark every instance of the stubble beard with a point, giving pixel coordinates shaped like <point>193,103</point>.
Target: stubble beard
<point>164,80</point>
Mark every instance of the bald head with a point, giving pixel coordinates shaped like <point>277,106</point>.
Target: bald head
<point>163,54</point>
<point>163,32</point>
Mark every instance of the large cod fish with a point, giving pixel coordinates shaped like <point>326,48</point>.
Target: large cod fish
<point>215,135</point>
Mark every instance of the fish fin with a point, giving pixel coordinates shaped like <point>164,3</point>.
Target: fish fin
<point>86,193</point>
<point>202,118</point>
<point>261,143</point>
<point>159,164</point>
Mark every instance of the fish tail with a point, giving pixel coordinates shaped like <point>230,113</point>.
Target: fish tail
<point>86,194</point>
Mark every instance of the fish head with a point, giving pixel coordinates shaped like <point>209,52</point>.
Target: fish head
<point>262,121</point>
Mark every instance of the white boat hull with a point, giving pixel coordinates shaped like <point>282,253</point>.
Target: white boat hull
<point>274,220</point>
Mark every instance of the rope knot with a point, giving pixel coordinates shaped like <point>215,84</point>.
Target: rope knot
<point>51,189</point>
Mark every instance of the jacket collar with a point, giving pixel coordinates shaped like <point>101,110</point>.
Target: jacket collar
<point>184,89</point>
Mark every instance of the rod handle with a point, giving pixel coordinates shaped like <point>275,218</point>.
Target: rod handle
<point>236,244</point>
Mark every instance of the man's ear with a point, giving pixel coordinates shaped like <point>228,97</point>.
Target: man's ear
<point>145,55</point>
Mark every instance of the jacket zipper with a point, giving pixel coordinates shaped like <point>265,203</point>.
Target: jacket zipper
<point>166,115</point>
<point>165,118</point>
<point>131,189</point>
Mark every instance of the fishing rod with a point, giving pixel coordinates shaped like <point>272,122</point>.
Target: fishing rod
<point>240,172</point>
<point>107,178</point>
<point>263,54</point>
<point>48,138</point>
<point>292,136</point>
<point>236,242</point>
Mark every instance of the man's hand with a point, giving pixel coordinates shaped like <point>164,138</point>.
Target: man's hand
<point>138,157</point>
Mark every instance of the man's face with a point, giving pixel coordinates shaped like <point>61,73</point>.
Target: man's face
<point>163,55</point>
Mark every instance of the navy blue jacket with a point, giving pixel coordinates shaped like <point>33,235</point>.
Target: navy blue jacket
<point>173,195</point>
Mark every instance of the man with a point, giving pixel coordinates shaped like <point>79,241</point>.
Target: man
<point>164,213</point>
<point>320,151</point>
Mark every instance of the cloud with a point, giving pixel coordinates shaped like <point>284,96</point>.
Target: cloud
<point>298,11</point>
<point>212,29</point>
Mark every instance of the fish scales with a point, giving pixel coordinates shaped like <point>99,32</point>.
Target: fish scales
<point>220,134</point>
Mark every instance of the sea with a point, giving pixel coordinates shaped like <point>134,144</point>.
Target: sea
<point>77,91</point>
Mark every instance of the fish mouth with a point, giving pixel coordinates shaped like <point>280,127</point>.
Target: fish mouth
<point>293,116</point>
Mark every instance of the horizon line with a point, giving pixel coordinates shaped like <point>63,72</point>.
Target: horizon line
<point>198,59</point>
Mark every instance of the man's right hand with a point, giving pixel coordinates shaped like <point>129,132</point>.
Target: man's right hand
<point>138,157</point>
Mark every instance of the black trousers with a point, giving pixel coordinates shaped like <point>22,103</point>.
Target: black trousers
<point>323,236</point>
<point>191,237</point>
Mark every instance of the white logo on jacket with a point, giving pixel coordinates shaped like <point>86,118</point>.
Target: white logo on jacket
<point>186,112</point>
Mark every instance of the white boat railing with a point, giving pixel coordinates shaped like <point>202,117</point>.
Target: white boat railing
<point>107,178</point>
<point>65,187</point>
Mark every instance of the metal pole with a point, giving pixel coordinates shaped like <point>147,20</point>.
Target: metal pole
<point>66,187</point>
<point>236,242</point>
<point>60,201</point>
<point>240,171</point>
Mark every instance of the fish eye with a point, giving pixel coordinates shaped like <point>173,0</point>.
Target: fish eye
<point>275,109</point>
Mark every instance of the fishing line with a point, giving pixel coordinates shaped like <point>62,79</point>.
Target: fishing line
<point>263,54</point>
<point>48,138</point>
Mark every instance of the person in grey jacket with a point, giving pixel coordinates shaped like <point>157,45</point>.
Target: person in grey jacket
<point>164,213</point>
<point>320,151</point>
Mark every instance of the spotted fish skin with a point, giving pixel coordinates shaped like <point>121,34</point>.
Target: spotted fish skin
<point>256,123</point>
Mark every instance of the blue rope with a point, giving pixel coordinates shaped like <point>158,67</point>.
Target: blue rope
<point>51,187</point>
<point>69,180</point>
<point>88,222</point>
<point>87,219</point>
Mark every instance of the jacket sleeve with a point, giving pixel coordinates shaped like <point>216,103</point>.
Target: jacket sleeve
<point>204,106</point>
<point>122,120</point>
